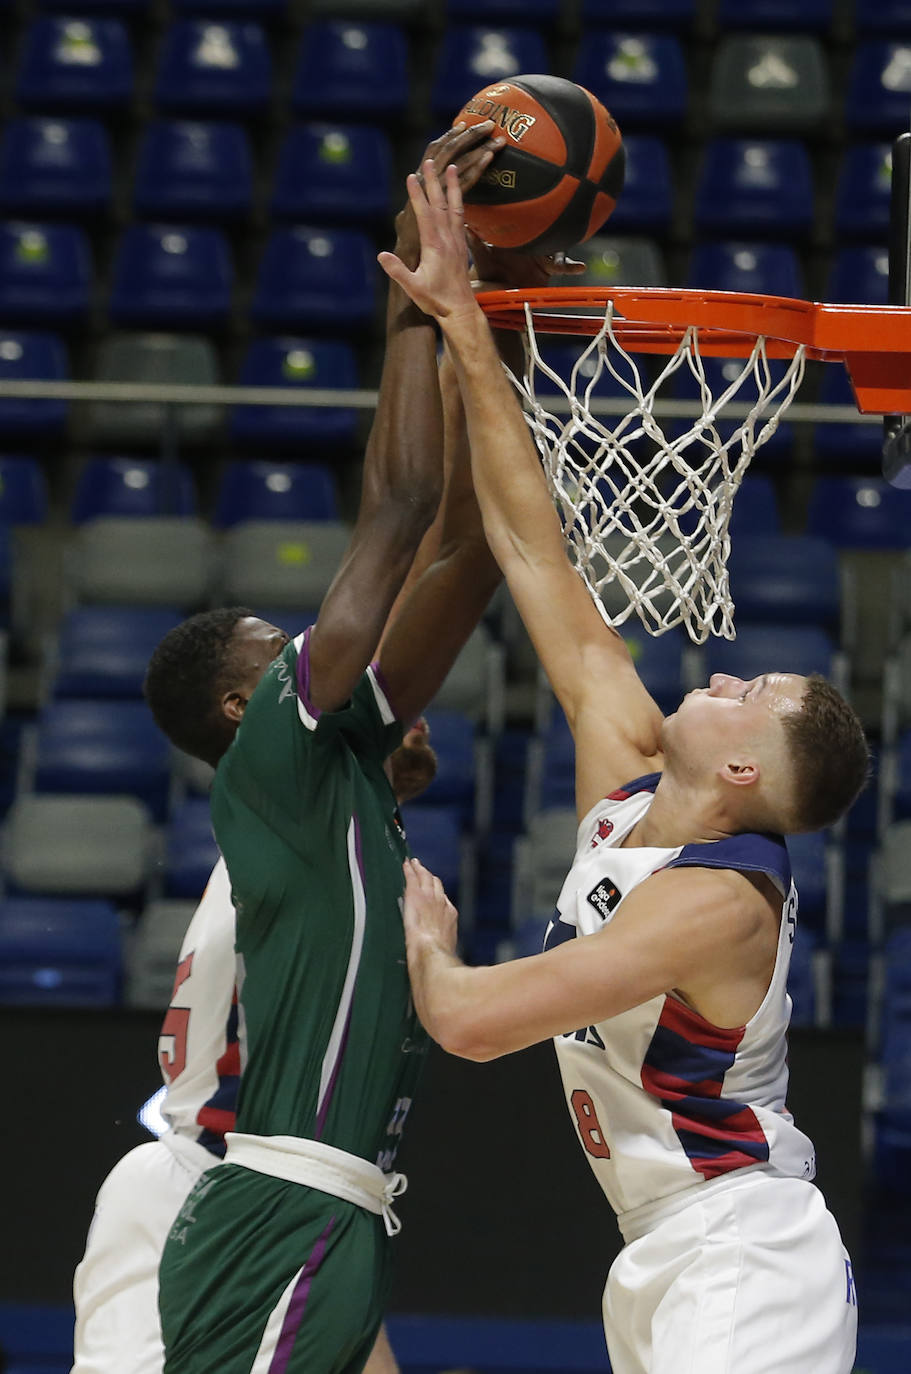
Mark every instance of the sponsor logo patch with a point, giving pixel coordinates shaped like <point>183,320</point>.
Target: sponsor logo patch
<point>605,898</point>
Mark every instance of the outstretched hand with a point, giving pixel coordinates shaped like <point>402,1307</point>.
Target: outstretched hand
<point>427,912</point>
<point>469,148</point>
<point>439,285</point>
<point>505,267</point>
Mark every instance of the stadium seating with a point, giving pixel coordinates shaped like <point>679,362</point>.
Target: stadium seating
<point>307,363</point>
<point>471,57</point>
<point>45,274</point>
<point>755,509</point>
<point>132,486</point>
<point>860,513</point>
<point>859,275</point>
<point>476,683</point>
<point>462,780</point>
<point>131,561</point>
<point>101,747</point>
<point>351,70</point>
<point>193,170</point>
<point>769,84</point>
<point>33,356</point>
<point>434,837</point>
<point>55,166</point>
<point>876,102</point>
<point>75,65</point>
<point>646,204</point>
<point>766,269</point>
<point>887,17</point>
<point>721,374</point>
<point>103,651</point>
<point>852,444</point>
<point>640,77</point>
<point>103,846</point>
<point>281,563</point>
<point>154,358</point>
<point>333,174</point>
<point>621,260</point>
<point>57,952</point>
<point>322,279</point>
<point>241,9</point>
<point>792,578</point>
<point>152,950</point>
<point>863,191</point>
<point>190,849</point>
<point>23,491</point>
<point>771,647</point>
<point>258,490</point>
<point>651,14</point>
<point>167,277</point>
<point>755,188</point>
<point>214,70</point>
<point>777,16</point>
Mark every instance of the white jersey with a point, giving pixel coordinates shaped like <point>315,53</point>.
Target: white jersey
<point>198,1047</point>
<point>663,1100</point>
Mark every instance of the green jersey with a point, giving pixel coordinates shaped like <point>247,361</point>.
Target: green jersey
<point>308,825</point>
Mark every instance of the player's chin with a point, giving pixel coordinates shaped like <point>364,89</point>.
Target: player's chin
<point>414,767</point>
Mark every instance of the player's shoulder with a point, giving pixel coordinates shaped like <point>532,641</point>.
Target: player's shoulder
<point>751,852</point>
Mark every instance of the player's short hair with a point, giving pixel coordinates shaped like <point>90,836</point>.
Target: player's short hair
<point>189,672</point>
<point>830,757</point>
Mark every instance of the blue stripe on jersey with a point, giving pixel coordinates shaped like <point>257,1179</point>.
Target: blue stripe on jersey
<point>670,1053</point>
<point>749,853</point>
<point>558,932</point>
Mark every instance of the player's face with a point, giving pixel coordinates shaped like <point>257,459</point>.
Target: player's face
<point>255,644</point>
<point>733,711</point>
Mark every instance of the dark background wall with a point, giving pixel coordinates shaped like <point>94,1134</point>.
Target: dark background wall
<point>502,1216</point>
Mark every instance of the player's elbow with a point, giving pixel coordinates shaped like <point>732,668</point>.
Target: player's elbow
<point>466,1037</point>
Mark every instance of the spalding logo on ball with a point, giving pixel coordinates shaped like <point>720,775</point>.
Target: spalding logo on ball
<point>557,178</point>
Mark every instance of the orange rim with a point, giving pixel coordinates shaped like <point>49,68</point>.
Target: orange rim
<point>873,341</point>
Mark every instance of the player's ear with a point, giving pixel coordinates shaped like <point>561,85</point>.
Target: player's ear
<point>233,705</point>
<point>740,772</point>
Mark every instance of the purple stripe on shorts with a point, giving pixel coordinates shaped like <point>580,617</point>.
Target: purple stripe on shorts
<point>303,675</point>
<point>297,1306</point>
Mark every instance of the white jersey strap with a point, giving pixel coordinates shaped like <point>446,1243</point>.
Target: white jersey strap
<point>316,1165</point>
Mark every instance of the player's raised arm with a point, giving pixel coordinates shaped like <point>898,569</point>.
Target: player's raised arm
<point>402,478</point>
<point>614,720</point>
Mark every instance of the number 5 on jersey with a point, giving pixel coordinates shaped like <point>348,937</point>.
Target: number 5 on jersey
<point>588,1124</point>
<point>176,1026</point>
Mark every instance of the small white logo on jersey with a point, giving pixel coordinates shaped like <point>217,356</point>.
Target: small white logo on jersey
<point>283,673</point>
<point>605,898</point>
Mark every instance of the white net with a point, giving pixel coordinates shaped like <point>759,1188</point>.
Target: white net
<point>645,512</point>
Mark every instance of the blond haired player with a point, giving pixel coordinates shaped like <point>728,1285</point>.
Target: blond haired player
<point>664,970</point>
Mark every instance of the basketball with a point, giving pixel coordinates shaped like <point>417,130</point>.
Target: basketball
<point>559,175</point>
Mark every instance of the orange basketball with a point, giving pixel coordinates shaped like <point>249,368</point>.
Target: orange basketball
<point>558,178</point>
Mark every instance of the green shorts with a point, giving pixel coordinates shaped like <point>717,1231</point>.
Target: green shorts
<point>263,1276</point>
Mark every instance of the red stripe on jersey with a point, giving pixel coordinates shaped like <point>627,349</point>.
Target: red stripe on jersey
<point>216,1120</point>
<point>684,1021</point>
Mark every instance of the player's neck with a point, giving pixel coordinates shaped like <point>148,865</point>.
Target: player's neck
<point>681,815</point>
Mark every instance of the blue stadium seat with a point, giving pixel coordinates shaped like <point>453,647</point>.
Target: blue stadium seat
<point>755,508</point>
<point>768,269</point>
<point>23,491</point>
<point>640,77</point>
<point>102,747</point>
<point>434,837</point>
<point>348,69</point>
<point>888,17</point>
<point>333,173</point>
<point>471,57</point>
<point>56,951</point>
<point>188,170</point>
<point>860,513</point>
<point>321,363</point>
<point>55,166</point>
<point>755,187</point>
<point>315,278</point>
<point>103,651</point>
<point>132,486</point>
<point>855,444</point>
<point>863,193</point>
<point>190,849</point>
<point>878,87</point>
<point>778,648</point>
<point>273,491</point>
<point>129,9</point>
<point>791,579</point>
<point>659,663</point>
<point>859,276</point>
<point>214,69</point>
<point>801,982</point>
<point>45,274</point>
<point>452,736</point>
<point>777,16</point>
<point>648,192</point>
<point>75,64</point>
<point>539,14</point>
<point>808,868</point>
<point>33,356</point>
<point>648,14</point>
<point>168,277</point>
<point>231,9</point>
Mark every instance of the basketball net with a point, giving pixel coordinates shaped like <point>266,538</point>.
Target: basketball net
<point>645,513</point>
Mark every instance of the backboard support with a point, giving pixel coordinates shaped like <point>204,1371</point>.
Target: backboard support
<point>896,456</point>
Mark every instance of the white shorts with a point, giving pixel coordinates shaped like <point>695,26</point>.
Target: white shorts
<point>116,1284</point>
<point>750,1279</point>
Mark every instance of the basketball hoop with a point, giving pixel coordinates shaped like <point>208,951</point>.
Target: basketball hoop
<point>645,511</point>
